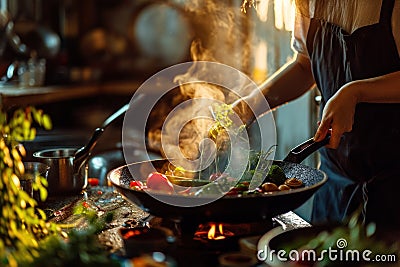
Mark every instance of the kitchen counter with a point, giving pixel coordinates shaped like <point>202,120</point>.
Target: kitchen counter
<point>104,199</point>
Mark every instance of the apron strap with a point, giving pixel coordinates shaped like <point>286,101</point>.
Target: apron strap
<point>386,12</point>
<point>350,201</point>
<point>364,190</point>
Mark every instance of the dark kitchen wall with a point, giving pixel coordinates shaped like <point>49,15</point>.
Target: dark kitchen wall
<point>109,39</point>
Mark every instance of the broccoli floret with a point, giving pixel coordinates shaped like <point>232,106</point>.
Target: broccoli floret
<point>276,175</point>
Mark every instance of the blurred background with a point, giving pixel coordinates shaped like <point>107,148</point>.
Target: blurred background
<point>81,60</point>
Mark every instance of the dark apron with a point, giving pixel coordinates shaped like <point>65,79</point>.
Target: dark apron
<point>364,172</point>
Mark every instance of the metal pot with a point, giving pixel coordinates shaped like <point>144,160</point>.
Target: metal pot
<point>68,166</point>
<point>64,177</point>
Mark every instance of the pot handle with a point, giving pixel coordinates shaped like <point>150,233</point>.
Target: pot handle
<point>302,151</point>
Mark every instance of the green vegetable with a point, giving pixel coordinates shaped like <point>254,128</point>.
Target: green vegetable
<point>276,175</point>
<point>220,186</point>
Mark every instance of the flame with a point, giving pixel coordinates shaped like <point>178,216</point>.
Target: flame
<point>212,233</point>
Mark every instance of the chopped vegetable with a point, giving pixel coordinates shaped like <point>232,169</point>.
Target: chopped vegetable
<point>136,184</point>
<point>269,187</point>
<point>221,185</point>
<point>158,181</point>
<point>276,175</point>
<point>293,182</point>
<point>283,187</point>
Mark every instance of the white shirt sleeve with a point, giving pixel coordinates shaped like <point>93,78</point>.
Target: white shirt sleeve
<point>299,35</point>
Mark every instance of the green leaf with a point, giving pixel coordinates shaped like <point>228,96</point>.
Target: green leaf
<point>36,116</point>
<point>26,124</point>
<point>47,122</point>
<point>32,134</point>
<point>41,213</point>
<point>43,193</point>
<point>3,118</point>
<point>44,181</point>
<point>20,223</point>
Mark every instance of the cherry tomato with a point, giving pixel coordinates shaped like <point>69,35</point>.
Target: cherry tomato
<point>136,184</point>
<point>160,182</point>
<point>93,181</point>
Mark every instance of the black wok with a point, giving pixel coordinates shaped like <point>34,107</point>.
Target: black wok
<point>229,208</point>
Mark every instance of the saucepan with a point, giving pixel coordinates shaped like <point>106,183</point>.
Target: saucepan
<point>68,173</point>
<point>228,208</point>
<point>63,177</point>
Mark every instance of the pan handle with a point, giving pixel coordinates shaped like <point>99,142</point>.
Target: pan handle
<point>302,151</point>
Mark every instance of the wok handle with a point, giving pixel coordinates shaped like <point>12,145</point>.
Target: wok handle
<point>302,151</point>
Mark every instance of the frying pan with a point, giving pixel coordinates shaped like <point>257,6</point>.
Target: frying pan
<point>229,208</point>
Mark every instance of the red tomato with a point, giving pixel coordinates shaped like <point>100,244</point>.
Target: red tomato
<point>232,191</point>
<point>160,182</point>
<point>138,184</point>
<point>93,181</point>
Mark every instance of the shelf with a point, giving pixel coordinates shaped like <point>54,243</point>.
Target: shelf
<point>19,96</point>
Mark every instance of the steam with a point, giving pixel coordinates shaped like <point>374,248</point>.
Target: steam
<point>221,36</point>
<point>222,33</point>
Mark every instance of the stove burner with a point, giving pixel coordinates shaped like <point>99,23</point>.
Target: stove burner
<point>192,246</point>
<point>212,231</point>
<point>189,230</point>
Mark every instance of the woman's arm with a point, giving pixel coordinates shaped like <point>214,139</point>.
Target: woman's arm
<point>382,89</point>
<point>338,114</point>
<point>289,82</point>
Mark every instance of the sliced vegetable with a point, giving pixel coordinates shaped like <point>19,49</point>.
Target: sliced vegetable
<point>136,184</point>
<point>269,187</point>
<point>158,181</point>
<point>283,187</point>
<point>293,182</point>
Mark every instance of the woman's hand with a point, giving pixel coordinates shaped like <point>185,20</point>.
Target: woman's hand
<point>338,115</point>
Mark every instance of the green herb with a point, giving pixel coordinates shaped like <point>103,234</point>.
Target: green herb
<point>258,162</point>
<point>276,175</point>
<point>358,237</point>
<point>26,237</point>
<point>22,224</point>
<point>81,249</point>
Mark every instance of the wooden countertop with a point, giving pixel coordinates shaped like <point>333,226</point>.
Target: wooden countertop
<point>18,96</point>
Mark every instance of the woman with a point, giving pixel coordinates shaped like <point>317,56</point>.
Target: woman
<point>350,49</point>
